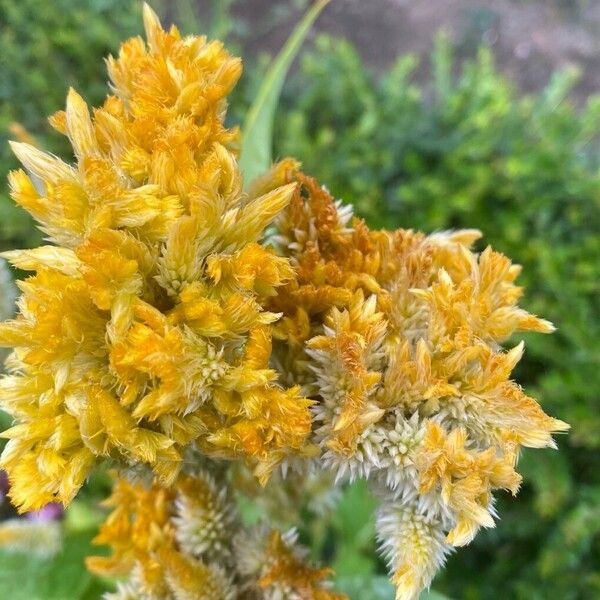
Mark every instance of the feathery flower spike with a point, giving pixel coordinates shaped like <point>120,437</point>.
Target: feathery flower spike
<point>397,337</point>
<point>144,328</point>
<point>188,542</point>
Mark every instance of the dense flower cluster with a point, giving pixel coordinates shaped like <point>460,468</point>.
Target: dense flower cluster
<point>397,337</point>
<point>144,327</point>
<point>186,541</point>
<point>159,324</point>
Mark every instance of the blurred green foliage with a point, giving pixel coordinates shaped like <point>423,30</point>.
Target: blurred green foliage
<point>466,150</point>
<point>63,577</point>
<point>463,150</point>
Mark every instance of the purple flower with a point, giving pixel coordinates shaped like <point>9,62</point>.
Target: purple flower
<point>51,512</point>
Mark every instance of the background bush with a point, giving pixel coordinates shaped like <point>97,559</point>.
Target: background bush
<point>462,150</point>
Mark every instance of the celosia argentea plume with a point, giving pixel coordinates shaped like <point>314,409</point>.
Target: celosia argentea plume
<point>186,542</point>
<point>144,327</point>
<point>398,337</point>
<point>162,322</point>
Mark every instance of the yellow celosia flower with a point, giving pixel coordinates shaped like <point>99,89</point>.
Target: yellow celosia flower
<point>187,542</point>
<point>151,330</point>
<point>144,327</point>
<point>139,525</point>
<point>286,570</point>
<point>397,337</point>
<point>144,531</point>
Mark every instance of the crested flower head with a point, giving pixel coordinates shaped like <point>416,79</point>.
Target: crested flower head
<point>398,338</point>
<point>144,531</point>
<point>143,328</point>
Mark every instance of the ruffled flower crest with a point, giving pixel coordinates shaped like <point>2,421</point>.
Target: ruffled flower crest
<point>144,329</point>
<point>397,337</point>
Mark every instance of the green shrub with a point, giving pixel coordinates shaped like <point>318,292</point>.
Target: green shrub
<point>469,151</point>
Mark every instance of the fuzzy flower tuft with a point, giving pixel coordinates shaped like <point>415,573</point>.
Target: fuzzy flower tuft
<point>398,338</point>
<point>188,542</point>
<point>144,328</point>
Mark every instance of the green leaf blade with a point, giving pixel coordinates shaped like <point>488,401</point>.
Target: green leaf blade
<point>257,132</point>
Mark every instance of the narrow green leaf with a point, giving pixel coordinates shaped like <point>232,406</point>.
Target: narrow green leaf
<point>257,132</point>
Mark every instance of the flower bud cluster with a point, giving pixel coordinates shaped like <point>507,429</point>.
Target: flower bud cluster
<point>144,327</point>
